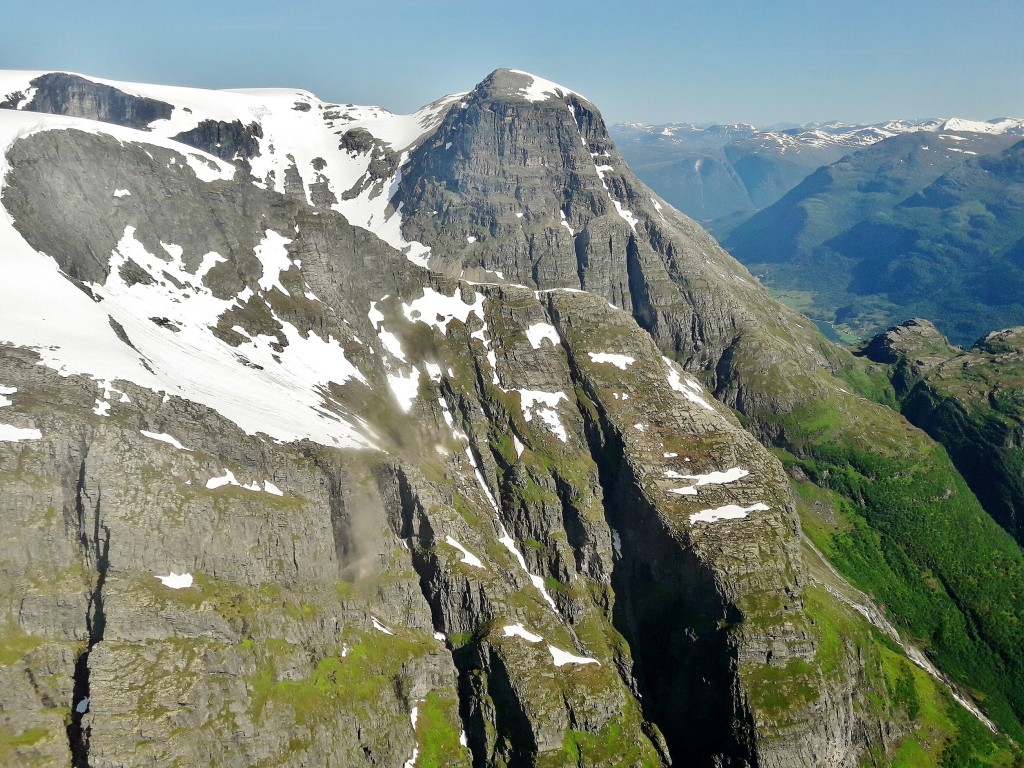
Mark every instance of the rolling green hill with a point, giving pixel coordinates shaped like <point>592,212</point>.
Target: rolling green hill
<point>921,224</point>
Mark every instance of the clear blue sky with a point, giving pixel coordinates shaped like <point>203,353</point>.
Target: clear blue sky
<point>654,61</point>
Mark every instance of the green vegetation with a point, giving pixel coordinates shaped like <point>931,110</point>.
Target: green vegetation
<point>893,688</point>
<point>368,673</point>
<point>616,743</point>
<point>15,643</point>
<point>438,729</point>
<point>944,571</point>
<point>907,227</point>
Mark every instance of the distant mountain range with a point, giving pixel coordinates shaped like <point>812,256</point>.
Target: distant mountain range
<point>718,174</point>
<point>858,226</point>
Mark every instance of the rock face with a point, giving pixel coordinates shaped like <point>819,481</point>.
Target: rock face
<point>522,179</point>
<point>278,494</point>
<point>59,93</point>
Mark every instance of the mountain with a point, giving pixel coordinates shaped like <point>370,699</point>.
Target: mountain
<point>332,436</point>
<point>723,174</point>
<point>969,400</point>
<point>920,224</point>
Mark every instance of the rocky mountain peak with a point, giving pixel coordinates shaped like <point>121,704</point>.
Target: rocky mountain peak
<point>517,84</point>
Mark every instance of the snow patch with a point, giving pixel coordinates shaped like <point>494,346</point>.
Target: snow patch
<point>163,438</point>
<point>176,580</point>
<point>274,257</point>
<point>380,626</point>
<point>543,405</point>
<point>690,390</point>
<point>509,543</point>
<point>539,89</point>
<point>405,388</point>
<point>12,434</point>
<point>438,310</point>
<point>121,193</point>
<point>467,557</point>
<point>518,445</point>
<point>728,512</point>
<point>537,332</point>
<point>619,361</point>
<point>561,658</point>
<point>518,630</point>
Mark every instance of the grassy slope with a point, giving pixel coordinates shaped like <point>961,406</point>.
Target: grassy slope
<point>917,540</point>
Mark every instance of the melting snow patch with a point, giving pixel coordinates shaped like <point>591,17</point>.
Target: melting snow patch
<point>227,479</point>
<point>543,404</point>
<point>281,395</point>
<point>561,658</point>
<point>690,490</point>
<point>121,193</point>
<point>537,332</point>
<point>712,478</point>
<point>391,344</point>
<point>163,438</point>
<point>689,390</point>
<point>11,434</point>
<point>509,543</point>
<point>439,636</point>
<point>102,408</point>
<point>273,256</point>
<point>670,454</point>
<point>518,630</point>
<point>640,427</point>
<point>467,557</point>
<point>718,478</point>
<point>518,445</point>
<point>272,489</point>
<point>176,580</point>
<point>434,372</point>
<point>619,361</point>
<point>4,402</point>
<point>728,512</point>
<point>375,316</point>
<point>379,626</point>
<point>405,388</point>
<point>438,310</point>
<point>470,239</point>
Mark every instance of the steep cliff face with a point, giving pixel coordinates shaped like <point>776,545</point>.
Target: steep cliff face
<point>279,494</point>
<point>520,178</point>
